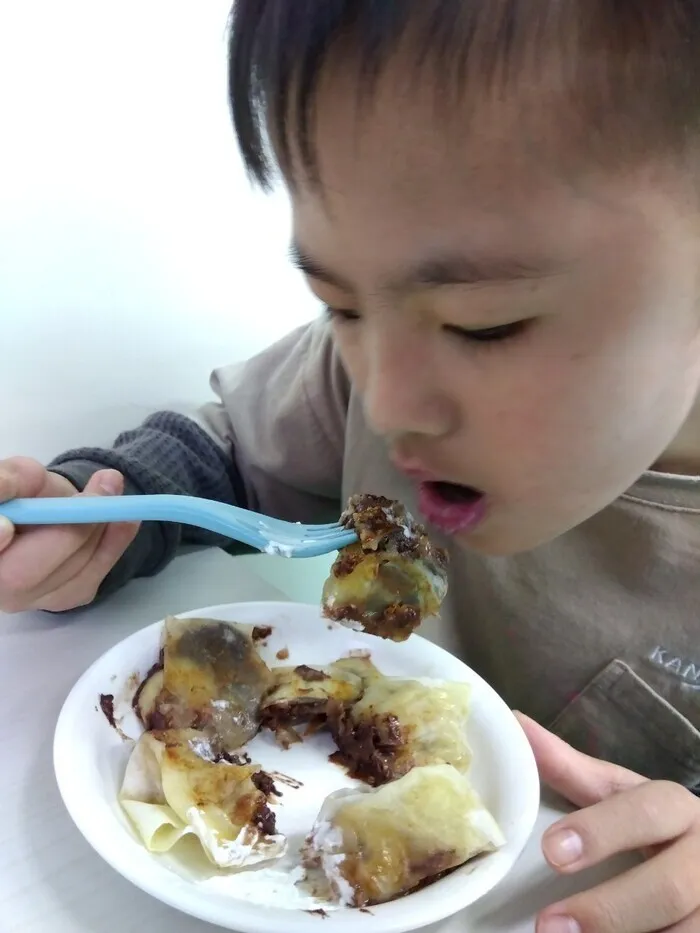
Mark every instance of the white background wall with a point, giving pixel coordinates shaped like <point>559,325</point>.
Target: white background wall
<point>134,255</point>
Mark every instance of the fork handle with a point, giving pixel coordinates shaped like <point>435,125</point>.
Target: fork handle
<point>229,521</point>
<point>85,510</point>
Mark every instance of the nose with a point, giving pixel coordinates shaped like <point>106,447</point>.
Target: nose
<point>403,392</point>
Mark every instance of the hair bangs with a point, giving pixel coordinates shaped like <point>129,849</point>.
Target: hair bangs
<point>628,70</point>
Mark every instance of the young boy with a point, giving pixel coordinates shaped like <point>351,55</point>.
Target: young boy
<point>499,202</point>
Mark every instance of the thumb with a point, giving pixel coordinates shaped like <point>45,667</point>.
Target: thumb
<point>577,777</point>
<point>7,533</point>
<point>105,483</point>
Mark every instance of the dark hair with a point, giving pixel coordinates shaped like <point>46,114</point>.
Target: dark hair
<point>629,69</point>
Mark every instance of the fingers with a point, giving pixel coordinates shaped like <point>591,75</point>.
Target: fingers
<point>650,814</point>
<point>21,478</point>
<point>653,896</point>
<point>90,551</point>
<point>81,588</point>
<point>105,483</point>
<point>7,533</point>
<point>659,894</point>
<point>39,552</point>
<point>577,777</point>
<point>56,567</point>
<point>691,924</point>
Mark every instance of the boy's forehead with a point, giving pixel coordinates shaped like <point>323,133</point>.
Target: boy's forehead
<point>406,140</point>
<point>397,164</point>
<point>421,131</point>
<point>399,181</point>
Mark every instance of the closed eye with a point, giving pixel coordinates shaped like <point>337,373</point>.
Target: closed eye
<point>341,314</point>
<point>488,334</point>
<point>496,334</point>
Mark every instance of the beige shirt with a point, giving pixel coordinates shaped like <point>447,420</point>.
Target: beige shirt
<point>596,635</point>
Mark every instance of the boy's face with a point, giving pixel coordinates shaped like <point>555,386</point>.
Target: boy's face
<point>427,230</point>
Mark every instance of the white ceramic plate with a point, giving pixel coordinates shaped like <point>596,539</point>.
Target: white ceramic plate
<point>90,757</point>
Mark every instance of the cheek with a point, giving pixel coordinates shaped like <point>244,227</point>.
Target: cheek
<point>582,422</point>
<point>538,412</point>
<point>352,353</point>
<point>526,397</point>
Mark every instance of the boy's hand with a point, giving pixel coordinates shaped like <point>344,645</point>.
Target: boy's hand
<point>58,567</point>
<point>621,812</point>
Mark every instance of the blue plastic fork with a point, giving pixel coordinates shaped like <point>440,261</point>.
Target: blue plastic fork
<point>269,535</point>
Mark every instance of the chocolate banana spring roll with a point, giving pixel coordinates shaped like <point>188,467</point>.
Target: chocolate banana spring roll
<point>392,579</point>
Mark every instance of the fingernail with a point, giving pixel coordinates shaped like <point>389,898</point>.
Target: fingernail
<point>563,847</point>
<point>7,529</point>
<point>109,484</point>
<point>558,924</point>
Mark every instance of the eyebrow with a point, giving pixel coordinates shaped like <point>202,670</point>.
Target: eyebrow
<point>315,270</point>
<point>436,272</point>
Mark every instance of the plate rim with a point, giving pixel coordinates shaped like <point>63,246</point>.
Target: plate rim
<point>256,918</point>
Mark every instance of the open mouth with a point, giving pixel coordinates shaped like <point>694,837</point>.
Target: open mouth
<point>451,507</point>
<point>455,494</point>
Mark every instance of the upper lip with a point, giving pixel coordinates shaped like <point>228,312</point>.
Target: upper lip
<point>418,471</point>
<point>413,468</point>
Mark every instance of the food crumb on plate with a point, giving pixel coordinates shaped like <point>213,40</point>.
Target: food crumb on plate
<point>286,779</point>
<point>133,682</point>
<point>107,707</point>
<point>282,654</point>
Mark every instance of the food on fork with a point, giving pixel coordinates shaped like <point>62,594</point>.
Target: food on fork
<point>399,724</point>
<point>392,578</point>
<point>371,846</point>
<point>211,678</point>
<point>175,785</point>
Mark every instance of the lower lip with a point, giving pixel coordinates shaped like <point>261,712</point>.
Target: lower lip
<point>450,517</point>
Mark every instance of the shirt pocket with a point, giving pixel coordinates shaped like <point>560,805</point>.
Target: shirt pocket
<point>618,717</point>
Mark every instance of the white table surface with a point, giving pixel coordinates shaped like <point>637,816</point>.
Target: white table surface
<point>50,879</point>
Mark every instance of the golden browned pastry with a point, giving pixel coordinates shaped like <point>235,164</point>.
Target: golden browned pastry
<point>370,846</point>
<point>399,724</point>
<point>392,579</point>
<point>210,678</point>
<point>175,786</point>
